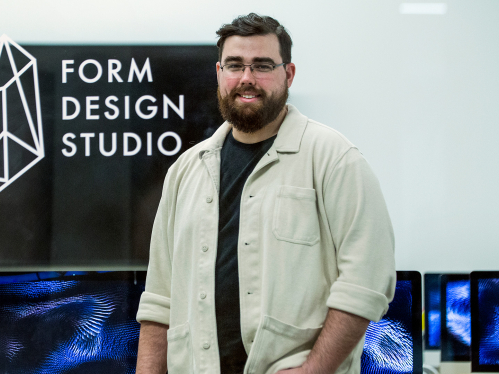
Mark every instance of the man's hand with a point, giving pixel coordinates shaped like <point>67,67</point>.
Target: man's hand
<point>339,336</point>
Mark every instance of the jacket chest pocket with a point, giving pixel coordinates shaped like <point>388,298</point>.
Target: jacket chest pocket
<point>295,215</point>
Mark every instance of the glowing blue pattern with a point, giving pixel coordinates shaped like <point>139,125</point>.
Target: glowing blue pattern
<point>433,314</point>
<point>102,348</point>
<point>434,328</point>
<point>35,290</point>
<point>388,348</point>
<point>56,327</point>
<point>488,299</point>
<point>458,311</point>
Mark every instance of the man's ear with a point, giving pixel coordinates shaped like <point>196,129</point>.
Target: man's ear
<point>218,71</point>
<point>290,73</point>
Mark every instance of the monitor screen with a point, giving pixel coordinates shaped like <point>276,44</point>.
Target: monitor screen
<point>432,311</point>
<point>394,344</point>
<point>455,317</point>
<point>485,321</point>
<point>69,322</point>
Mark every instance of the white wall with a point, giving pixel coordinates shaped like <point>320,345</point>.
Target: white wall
<point>419,95</point>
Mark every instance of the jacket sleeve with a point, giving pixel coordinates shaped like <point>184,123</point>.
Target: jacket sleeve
<point>363,239</point>
<point>155,300</point>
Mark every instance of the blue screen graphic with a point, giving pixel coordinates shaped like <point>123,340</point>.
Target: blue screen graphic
<point>458,319</point>
<point>388,348</point>
<point>69,326</point>
<point>432,309</point>
<point>488,306</point>
<point>433,328</point>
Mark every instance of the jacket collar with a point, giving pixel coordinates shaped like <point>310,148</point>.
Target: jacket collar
<point>288,137</point>
<point>291,131</point>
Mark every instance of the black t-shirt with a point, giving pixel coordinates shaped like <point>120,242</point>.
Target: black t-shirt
<point>237,162</point>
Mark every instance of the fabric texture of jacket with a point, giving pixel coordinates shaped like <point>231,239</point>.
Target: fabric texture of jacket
<point>314,234</point>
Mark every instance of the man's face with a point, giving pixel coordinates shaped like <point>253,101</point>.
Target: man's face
<point>248,103</point>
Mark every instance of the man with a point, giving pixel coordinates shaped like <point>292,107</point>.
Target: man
<point>272,248</point>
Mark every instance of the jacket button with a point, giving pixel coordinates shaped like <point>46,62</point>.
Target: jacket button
<point>204,248</point>
<point>202,295</point>
<point>209,199</point>
<point>206,345</point>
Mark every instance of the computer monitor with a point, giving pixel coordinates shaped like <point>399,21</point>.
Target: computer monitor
<point>394,345</point>
<point>455,320</point>
<point>432,311</point>
<point>69,322</point>
<point>484,321</point>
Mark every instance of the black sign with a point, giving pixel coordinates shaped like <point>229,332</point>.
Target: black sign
<point>89,133</point>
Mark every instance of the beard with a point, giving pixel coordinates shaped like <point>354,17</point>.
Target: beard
<point>251,117</point>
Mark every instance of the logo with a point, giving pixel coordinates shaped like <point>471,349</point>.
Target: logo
<point>21,135</point>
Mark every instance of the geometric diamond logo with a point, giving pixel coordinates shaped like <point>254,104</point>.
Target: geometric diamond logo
<point>21,134</point>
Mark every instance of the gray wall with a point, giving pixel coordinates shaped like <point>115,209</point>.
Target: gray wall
<point>418,94</point>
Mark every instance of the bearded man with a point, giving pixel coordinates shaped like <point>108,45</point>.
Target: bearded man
<point>272,248</point>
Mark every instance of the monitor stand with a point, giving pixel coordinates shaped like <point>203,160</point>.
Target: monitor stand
<point>455,367</point>
<point>432,358</point>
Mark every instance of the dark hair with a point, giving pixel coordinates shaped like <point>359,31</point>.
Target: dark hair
<point>253,24</point>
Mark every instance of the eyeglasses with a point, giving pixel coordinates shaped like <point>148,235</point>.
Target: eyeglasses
<point>258,69</point>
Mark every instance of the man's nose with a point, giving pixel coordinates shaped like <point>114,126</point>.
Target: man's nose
<point>248,77</point>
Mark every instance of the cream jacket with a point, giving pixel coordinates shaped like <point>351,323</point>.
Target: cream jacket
<point>314,234</point>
